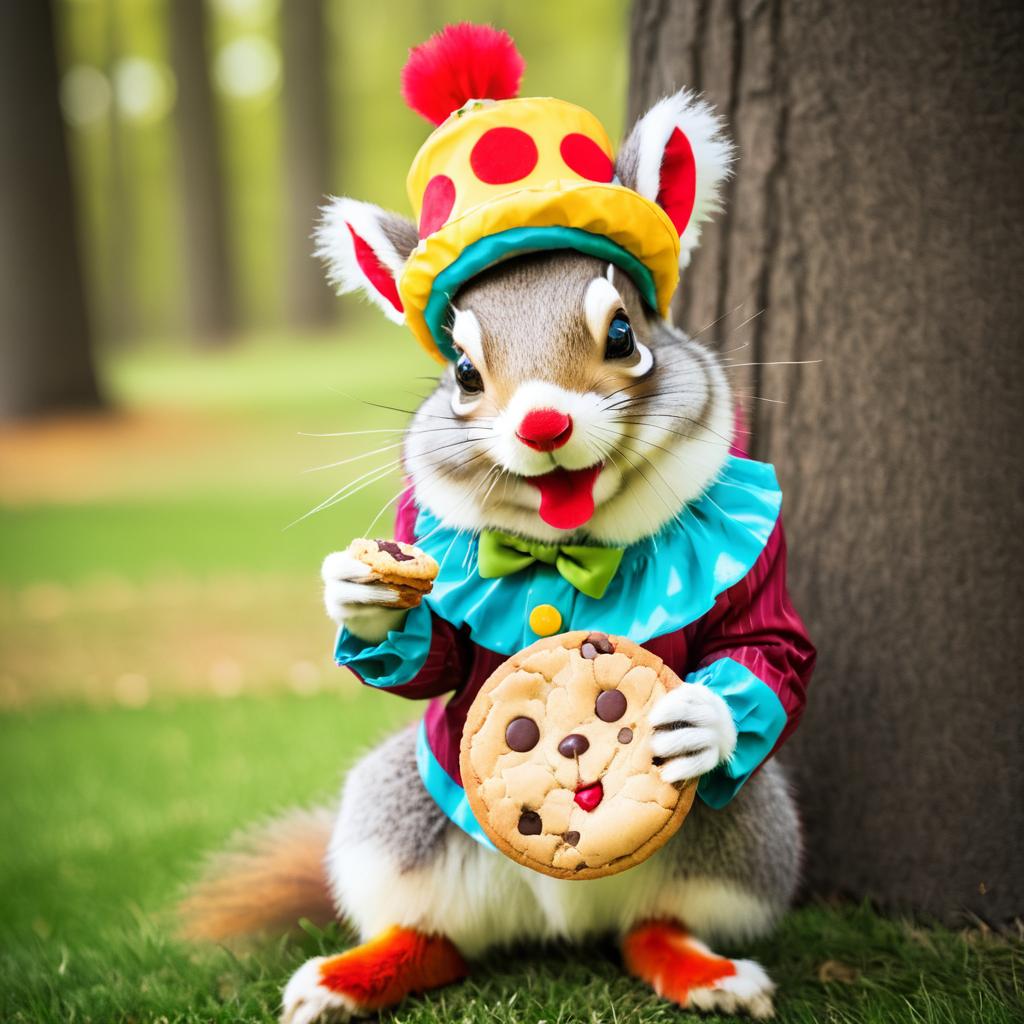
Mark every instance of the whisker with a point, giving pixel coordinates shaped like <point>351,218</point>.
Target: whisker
<point>677,433</point>
<point>395,408</point>
<point>354,433</point>
<point>656,426</point>
<point>409,412</point>
<point>351,489</point>
<point>674,512</point>
<point>759,398</point>
<point>753,316</point>
<point>667,451</point>
<point>383,509</point>
<point>354,458</point>
<point>777,362</point>
<point>468,497</point>
<point>633,399</point>
<point>718,320</point>
<point>344,492</point>
<point>729,351</point>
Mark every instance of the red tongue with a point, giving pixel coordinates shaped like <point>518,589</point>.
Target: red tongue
<point>589,796</point>
<point>566,496</point>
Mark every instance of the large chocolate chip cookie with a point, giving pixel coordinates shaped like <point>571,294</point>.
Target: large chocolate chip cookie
<point>556,759</point>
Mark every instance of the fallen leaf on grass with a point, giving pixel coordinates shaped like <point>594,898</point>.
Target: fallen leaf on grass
<point>835,970</point>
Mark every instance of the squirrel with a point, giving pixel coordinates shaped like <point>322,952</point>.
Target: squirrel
<point>569,412</point>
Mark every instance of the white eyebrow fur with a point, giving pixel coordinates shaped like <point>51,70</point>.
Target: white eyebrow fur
<point>466,333</point>
<point>601,299</point>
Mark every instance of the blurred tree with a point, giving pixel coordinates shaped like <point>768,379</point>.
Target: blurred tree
<point>876,219</point>
<point>45,344</point>
<point>307,141</point>
<point>122,302</point>
<point>211,285</point>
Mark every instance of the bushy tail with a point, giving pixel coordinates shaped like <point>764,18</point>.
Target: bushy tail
<point>267,878</point>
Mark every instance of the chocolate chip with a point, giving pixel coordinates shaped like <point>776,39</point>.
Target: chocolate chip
<point>573,745</point>
<point>589,651</point>
<point>626,735</point>
<point>389,547</point>
<point>529,823</point>
<point>522,734</point>
<point>572,838</point>
<point>600,642</point>
<point>610,705</point>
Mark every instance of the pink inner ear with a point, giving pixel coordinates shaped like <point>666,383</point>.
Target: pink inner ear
<point>376,273</point>
<point>678,183</point>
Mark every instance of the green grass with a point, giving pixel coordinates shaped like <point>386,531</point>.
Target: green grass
<point>141,560</point>
<point>195,534</point>
<point>106,813</point>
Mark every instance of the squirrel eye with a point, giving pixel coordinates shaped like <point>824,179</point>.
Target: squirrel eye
<point>467,376</point>
<point>621,342</point>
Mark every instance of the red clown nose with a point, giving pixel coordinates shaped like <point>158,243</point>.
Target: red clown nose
<point>544,430</point>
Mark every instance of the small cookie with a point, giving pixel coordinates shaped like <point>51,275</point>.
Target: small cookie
<point>556,758</point>
<point>406,569</point>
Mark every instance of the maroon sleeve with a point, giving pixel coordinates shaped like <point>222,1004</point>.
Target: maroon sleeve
<point>754,623</point>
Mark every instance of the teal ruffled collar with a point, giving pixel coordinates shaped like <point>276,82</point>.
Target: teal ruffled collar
<point>664,583</point>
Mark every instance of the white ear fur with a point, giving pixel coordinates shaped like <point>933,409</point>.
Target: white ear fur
<point>712,155</point>
<point>336,246</point>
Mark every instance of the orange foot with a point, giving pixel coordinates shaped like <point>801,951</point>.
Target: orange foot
<point>684,970</point>
<point>379,973</point>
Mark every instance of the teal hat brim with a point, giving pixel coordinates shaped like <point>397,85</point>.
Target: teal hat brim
<point>492,249</point>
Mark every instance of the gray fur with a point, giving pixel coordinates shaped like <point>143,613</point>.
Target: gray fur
<point>628,160</point>
<point>401,233</point>
<point>753,843</point>
<point>530,310</point>
<point>384,799</point>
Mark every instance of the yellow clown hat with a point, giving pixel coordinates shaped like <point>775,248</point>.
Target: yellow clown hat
<point>502,177</point>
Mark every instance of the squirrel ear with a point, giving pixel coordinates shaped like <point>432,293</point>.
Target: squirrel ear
<point>364,249</point>
<point>677,156</point>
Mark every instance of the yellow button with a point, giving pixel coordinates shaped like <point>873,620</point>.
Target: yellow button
<point>545,620</point>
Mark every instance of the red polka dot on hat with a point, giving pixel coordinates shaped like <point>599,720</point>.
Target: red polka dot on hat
<point>503,155</point>
<point>584,156</point>
<point>438,200</point>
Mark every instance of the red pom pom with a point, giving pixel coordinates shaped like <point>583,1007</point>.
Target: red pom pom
<point>460,63</point>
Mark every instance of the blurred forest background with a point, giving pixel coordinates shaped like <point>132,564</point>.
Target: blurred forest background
<point>172,363</point>
<point>152,442</point>
<point>203,136</point>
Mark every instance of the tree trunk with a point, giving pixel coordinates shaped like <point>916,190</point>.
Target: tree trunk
<point>307,135</point>
<point>211,287</point>
<point>123,320</point>
<point>875,217</point>
<point>45,346</point>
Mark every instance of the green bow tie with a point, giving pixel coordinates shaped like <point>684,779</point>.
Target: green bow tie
<point>588,569</point>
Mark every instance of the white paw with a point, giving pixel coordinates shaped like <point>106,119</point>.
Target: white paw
<point>306,1001</point>
<point>363,608</point>
<point>694,732</point>
<point>748,991</point>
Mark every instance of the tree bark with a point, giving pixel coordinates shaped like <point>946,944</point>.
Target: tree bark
<point>307,138</point>
<point>875,218</point>
<point>211,286</point>
<point>45,344</point>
